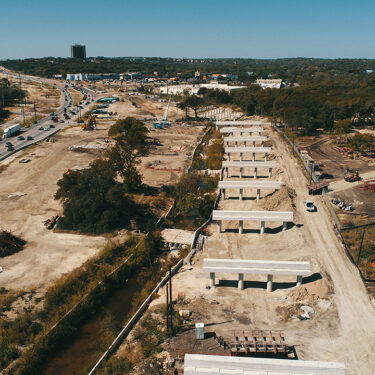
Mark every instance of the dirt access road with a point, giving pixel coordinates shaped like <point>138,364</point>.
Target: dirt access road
<point>355,343</point>
<point>343,327</point>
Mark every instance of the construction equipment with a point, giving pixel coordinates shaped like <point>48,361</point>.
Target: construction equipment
<point>368,185</point>
<point>351,176</point>
<point>316,187</point>
<point>90,123</point>
<point>163,122</point>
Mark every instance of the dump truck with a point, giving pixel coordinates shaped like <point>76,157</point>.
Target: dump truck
<point>12,130</point>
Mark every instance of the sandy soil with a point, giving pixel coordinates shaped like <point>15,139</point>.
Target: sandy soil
<point>46,99</point>
<point>343,326</point>
<point>48,255</point>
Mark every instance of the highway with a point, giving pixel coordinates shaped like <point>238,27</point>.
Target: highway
<point>34,130</point>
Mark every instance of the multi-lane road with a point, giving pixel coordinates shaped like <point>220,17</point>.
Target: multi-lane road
<point>35,131</point>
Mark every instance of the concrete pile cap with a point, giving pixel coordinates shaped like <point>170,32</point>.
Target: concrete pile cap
<point>179,236</point>
<point>248,149</point>
<point>253,215</point>
<point>200,364</point>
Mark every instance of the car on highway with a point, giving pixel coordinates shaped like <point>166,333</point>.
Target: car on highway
<point>8,143</point>
<point>10,148</point>
<point>29,138</point>
<point>20,137</point>
<point>62,121</point>
<point>46,129</point>
<point>41,128</point>
<point>309,206</point>
<point>51,126</point>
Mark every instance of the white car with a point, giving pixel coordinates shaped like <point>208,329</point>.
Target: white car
<point>310,206</point>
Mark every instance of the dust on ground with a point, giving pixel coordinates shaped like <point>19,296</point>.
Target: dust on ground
<point>341,326</point>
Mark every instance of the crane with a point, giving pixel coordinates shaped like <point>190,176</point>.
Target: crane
<point>163,122</point>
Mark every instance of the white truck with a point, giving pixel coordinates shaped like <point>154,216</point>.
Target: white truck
<point>12,130</point>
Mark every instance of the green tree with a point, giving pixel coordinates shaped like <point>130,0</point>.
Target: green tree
<point>133,132</point>
<point>93,202</point>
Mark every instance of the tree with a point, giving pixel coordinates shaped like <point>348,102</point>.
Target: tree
<point>341,126</point>
<point>215,153</point>
<point>133,132</point>
<point>194,102</point>
<point>123,160</point>
<point>362,142</point>
<point>93,202</point>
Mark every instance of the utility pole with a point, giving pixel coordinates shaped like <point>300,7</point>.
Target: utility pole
<point>360,246</point>
<point>170,298</point>
<point>167,305</point>
<point>34,112</point>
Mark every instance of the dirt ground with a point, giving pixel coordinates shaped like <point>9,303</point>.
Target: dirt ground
<point>46,99</point>
<point>47,254</point>
<point>343,326</point>
<point>334,163</point>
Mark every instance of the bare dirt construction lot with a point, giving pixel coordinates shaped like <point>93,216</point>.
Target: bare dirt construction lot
<point>172,154</point>
<point>27,198</point>
<point>335,163</point>
<point>342,327</point>
<point>47,255</point>
<point>46,98</point>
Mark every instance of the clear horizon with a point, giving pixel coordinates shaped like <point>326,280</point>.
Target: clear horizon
<point>267,29</point>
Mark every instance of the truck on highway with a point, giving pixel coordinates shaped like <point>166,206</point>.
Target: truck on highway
<point>12,130</point>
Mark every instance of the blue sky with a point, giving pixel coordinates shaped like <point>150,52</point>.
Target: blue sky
<point>205,28</point>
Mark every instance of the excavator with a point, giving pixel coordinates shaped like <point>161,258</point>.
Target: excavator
<point>90,123</point>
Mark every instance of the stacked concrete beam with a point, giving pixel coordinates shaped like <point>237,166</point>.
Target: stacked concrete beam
<point>249,164</point>
<point>241,123</point>
<point>223,215</point>
<point>201,364</point>
<point>242,185</point>
<point>256,267</point>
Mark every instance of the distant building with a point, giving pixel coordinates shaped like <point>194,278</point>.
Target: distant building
<point>193,89</point>
<point>92,76</point>
<point>269,83</point>
<point>78,51</point>
<point>369,71</point>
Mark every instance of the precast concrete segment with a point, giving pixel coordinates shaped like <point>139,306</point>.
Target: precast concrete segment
<point>232,150</point>
<point>245,138</point>
<point>265,185</point>
<point>257,267</point>
<point>251,129</point>
<point>239,123</point>
<point>201,364</point>
<point>253,215</point>
<point>249,164</point>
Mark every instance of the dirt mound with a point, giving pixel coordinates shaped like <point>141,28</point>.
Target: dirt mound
<point>310,293</point>
<point>10,244</point>
<point>280,200</point>
<point>320,288</point>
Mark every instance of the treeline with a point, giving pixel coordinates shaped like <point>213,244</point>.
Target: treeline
<point>292,70</point>
<point>308,107</point>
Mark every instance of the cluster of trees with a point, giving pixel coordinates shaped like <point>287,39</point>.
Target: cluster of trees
<point>331,103</point>
<point>215,152</point>
<point>8,96</point>
<point>292,70</point>
<point>194,193</point>
<point>98,199</point>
